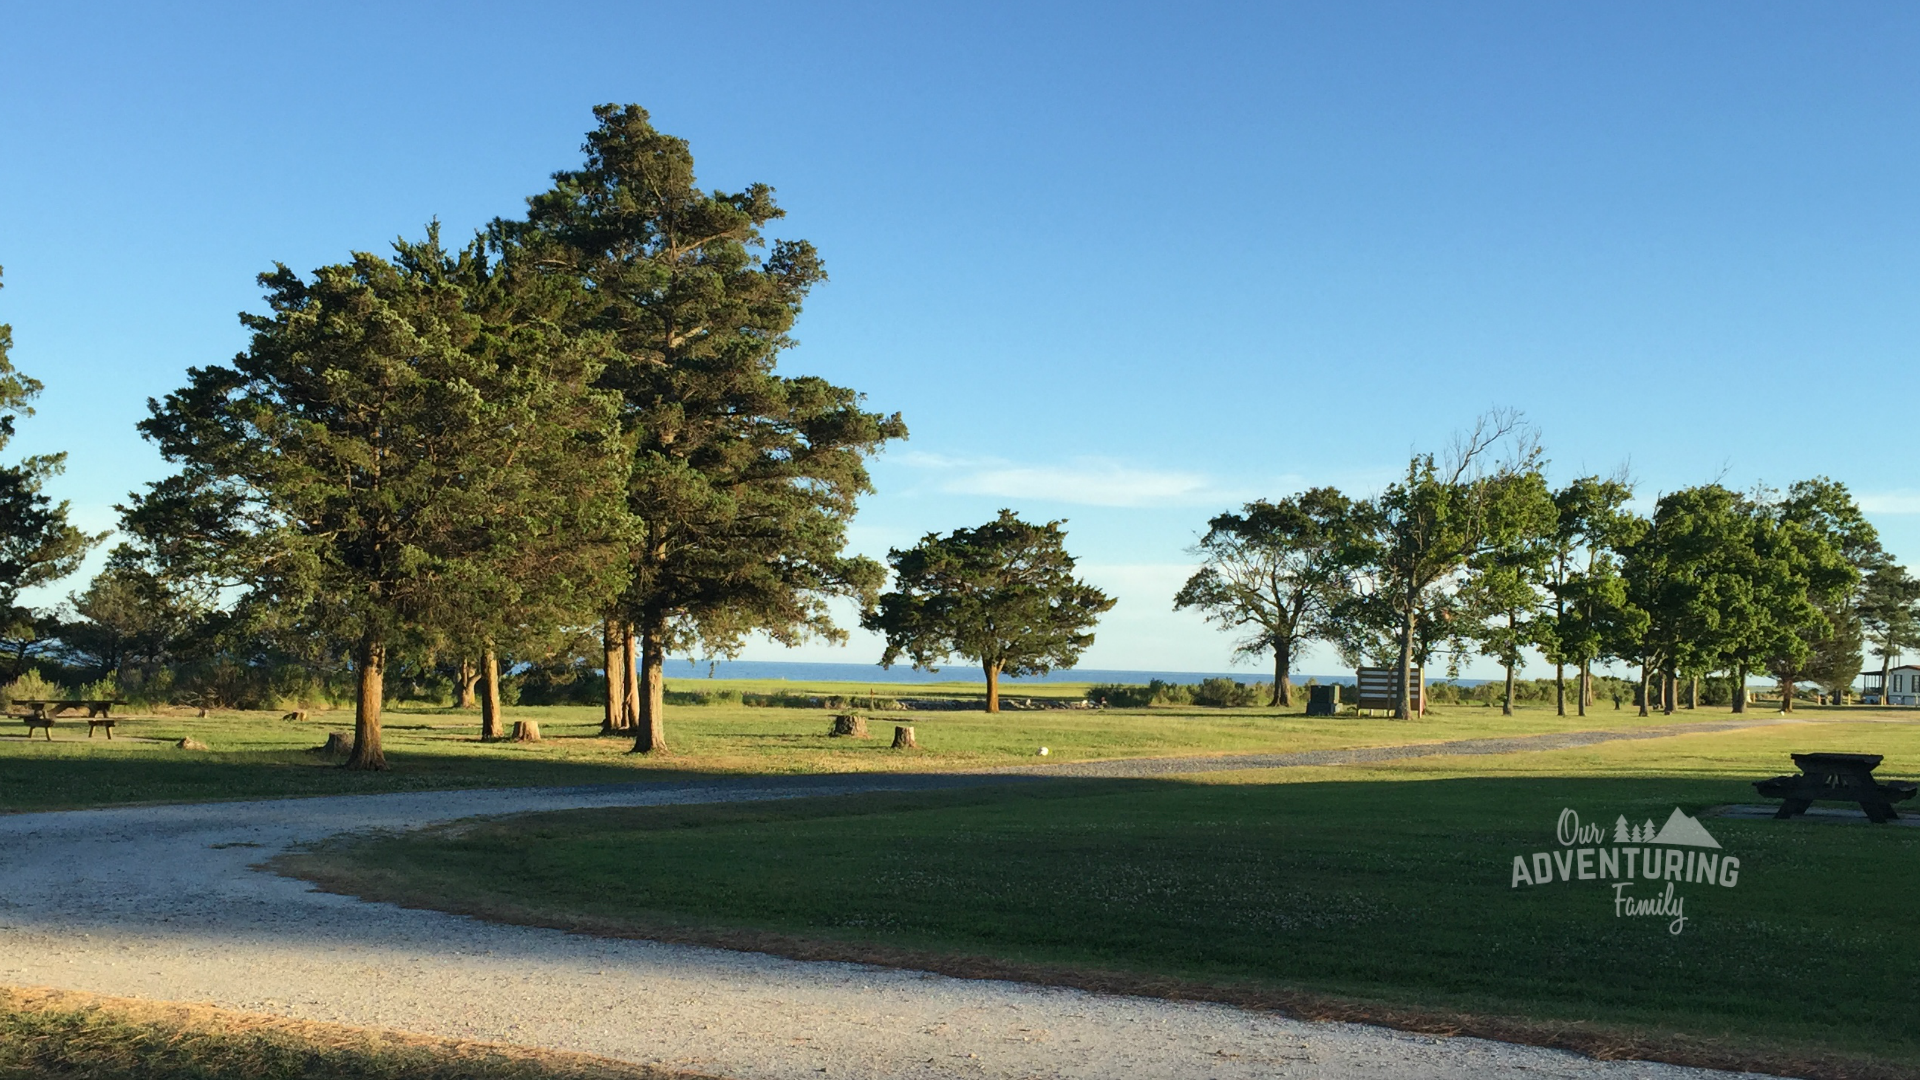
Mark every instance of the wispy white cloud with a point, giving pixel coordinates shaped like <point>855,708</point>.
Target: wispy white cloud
<point>1092,483</point>
<point>1087,481</point>
<point>1903,501</point>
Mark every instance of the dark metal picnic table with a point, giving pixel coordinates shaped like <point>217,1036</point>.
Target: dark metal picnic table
<point>42,711</point>
<point>1837,778</point>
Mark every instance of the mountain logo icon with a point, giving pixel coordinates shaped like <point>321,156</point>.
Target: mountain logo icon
<point>1679,831</point>
<point>1683,831</point>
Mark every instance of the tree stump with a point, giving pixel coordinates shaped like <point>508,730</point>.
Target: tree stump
<point>903,738</point>
<point>337,743</point>
<point>526,731</point>
<point>848,724</point>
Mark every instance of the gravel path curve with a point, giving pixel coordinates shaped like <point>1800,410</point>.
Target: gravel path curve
<point>161,903</point>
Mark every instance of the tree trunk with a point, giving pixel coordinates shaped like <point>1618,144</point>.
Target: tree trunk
<point>1786,694</point>
<point>463,684</point>
<point>1886,669</point>
<point>649,694</point>
<point>617,676</point>
<point>1646,687</point>
<point>638,685</point>
<point>1283,675</point>
<point>1560,689</point>
<point>1693,694</point>
<point>992,671</point>
<point>1585,695</point>
<point>1403,708</point>
<point>1739,674</point>
<point>1506,707</point>
<point>492,726</point>
<point>1669,692</point>
<point>367,753</point>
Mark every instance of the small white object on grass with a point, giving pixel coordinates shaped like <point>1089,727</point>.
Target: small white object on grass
<point>1043,751</point>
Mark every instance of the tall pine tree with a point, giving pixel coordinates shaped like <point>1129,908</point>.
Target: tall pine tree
<point>743,480</point>
<point>38,545</point>
<point>380,463</point>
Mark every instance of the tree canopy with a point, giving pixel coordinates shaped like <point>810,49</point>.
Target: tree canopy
<point>1446,511</point>
<point>38,545</point>
<point>365,465</point>
<point>1002,595</point>
<point>742,481</point>
<point>1274,572</point>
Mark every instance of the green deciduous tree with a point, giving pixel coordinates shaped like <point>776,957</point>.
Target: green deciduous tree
<point>1827,544</point>
<point>1589,598</point>
<point>1002,595</point>
<point>1504,591</point>
<point>743,480</point>
<point>359,470</point>
<point>1446,511</point>
<point>1274,572</point>
<point>38,545</point>
<point>1697,572</point>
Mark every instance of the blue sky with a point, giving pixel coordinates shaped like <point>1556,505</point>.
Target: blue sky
<point>1119,264</point>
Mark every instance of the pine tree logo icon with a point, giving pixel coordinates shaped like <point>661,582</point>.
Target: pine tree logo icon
<point>1622,834</point>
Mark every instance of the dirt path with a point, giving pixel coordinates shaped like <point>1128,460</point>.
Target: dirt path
<point>161,903</point>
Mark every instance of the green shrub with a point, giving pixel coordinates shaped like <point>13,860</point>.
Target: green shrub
<point>781,699</point>
<point>103,689</point>
<point>1225,694</point>
<point>32,686</point>
<point>1157,692</point>
<point>702,697</point>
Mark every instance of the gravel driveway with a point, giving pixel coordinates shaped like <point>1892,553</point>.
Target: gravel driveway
<point>160,903</point>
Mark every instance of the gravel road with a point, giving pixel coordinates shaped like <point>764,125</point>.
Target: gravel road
<point>161,903</point>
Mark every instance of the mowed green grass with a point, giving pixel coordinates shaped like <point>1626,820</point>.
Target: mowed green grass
<point>1387,883</point>
<point>256,755</point>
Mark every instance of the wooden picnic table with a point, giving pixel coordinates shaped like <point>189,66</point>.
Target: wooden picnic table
<point>1837,778</point>
<point>42,711</point>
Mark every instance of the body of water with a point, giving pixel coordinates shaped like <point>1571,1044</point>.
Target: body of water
<point>793,671</point>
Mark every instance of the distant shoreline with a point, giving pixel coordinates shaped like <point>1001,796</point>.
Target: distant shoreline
<point>801,671</point>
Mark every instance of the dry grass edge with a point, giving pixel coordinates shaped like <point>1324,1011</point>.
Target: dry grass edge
<point>174,1018</point>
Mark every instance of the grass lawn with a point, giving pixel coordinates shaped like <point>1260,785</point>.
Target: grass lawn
<point>61,1034</point>
<point>1387,885</point>
<point>258,754</point>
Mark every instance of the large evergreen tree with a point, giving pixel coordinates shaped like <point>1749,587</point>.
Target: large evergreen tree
<point>1002,595</point>
<point>361,468</point>
<point>1890,614</point>
<point>38,545</point>
<point>743,481</point>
